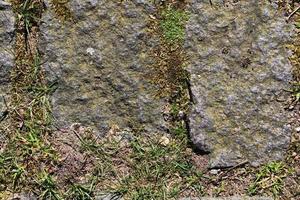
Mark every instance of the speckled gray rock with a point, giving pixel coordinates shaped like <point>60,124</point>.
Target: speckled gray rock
<point>238,66</point>
<point>23,196</point>
<point>7,22</point>
<point>100,61</point>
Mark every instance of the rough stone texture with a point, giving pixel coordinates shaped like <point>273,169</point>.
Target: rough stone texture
<point>23,196</point>
<point>100,61</point>
<point>238,66</point>
<point>7,22</point>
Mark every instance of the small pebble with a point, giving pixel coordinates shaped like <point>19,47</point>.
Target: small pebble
<point>214,171</point>
<point>164,140</point>
<point>294,154</point>
<point>181,114</point>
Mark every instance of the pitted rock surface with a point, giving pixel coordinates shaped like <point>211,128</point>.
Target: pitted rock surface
<point>7,22</point>
<point>239,67</point>
<point>100,62</point>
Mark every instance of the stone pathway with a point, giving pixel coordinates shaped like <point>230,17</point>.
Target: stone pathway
<point>100,59</point>
<point>237,61</point>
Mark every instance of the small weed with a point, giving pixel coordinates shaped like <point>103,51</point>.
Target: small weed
<point>269,177</point>
<point>297,24</point>
<point>180,131</point>
<point>79,192</point>
<point>220,189</point>
<point>48,187</point>
<point>17,173</point>
<point>29,12</point>
<point>174,110</point>
<point>172,25</point>
<point>295,91</point>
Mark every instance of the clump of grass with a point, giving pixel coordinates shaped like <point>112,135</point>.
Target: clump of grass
<point>48,187</point>
<point>28,149</point>
<point>295,91</point>
<point>159,172</point>
<point>145,168</point>
<point>80,192</point>
<point>28,13</point>
<point>269,178</point>
<point>172,25</point>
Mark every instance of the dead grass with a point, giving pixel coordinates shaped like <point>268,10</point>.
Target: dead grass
<point>61,9</point>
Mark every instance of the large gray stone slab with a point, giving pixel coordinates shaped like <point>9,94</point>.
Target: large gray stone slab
<point>239,67</point>
<point>100,61</point>
<point>7,28</point>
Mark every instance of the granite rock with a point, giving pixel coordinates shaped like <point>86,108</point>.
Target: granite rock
<point>99,61</point>
<point>7,28</point>
<point>239,67</point>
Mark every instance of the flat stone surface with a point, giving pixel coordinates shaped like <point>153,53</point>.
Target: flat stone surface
<point>7,22</point>
<point>101,64</point>
<point>239,67</point>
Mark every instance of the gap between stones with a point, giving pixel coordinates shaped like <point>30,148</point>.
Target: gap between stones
<point>171,74</point>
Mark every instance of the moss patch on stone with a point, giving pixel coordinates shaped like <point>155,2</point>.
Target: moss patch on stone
<point>172,24</point>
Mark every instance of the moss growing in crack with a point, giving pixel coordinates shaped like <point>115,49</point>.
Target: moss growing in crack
<point>61,9</point>
<point>28,13</point>
<point>48,187</point>
<point>172,25</point>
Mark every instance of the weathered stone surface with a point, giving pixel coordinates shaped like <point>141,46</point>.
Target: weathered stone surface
<point>22,196</point>
<point>7,22</point>
<point>238,65</point>
<point>100,61</point>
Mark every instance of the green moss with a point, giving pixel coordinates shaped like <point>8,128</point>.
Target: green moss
<point>172,25</point>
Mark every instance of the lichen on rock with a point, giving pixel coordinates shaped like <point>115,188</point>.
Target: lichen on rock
<point>101,65</point>
<point>239,69</point>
